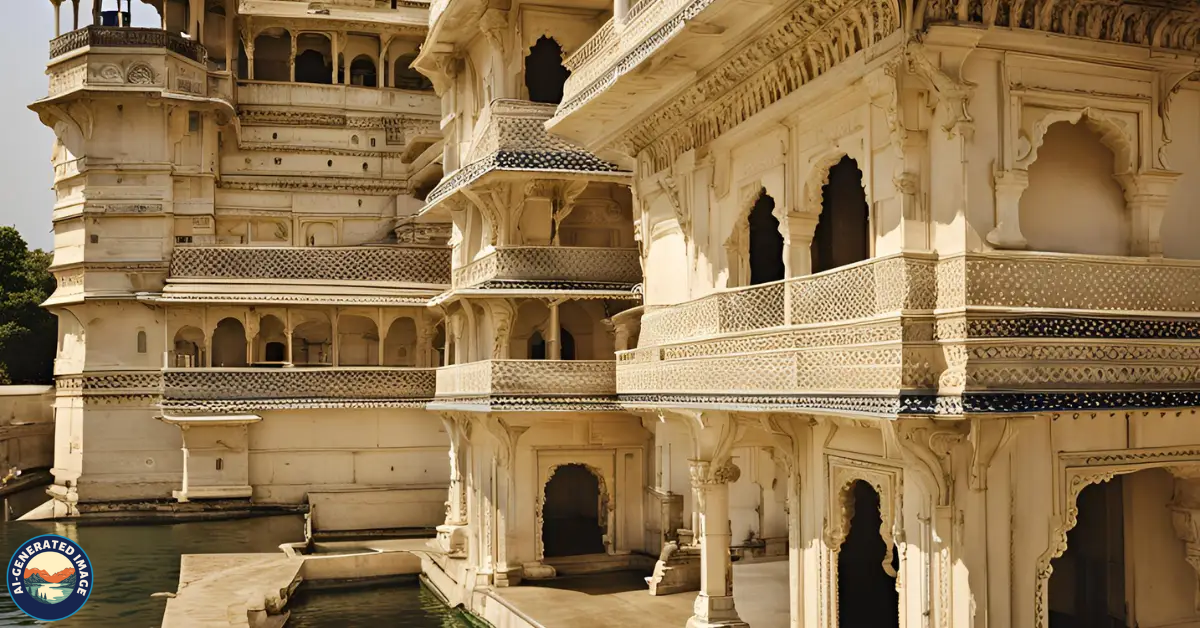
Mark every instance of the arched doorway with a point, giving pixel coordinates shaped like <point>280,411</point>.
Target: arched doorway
<point>1087,584</point>
<point>867,596</point>
<point>229,343</point>
<point>766,243</point>
<point>566,346</point>
<point>362,71</point>
<point>544,72</point>
<point>843,234</point>
<point>573,513</point>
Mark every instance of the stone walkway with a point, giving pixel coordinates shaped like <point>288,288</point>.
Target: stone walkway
<point>620,600</point>
<point>218,590</point>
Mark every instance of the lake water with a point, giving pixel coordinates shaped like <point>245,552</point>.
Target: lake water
<point>132,562</point>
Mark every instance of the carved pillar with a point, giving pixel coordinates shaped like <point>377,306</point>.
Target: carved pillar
<point>333,52</point>
<point>1010,184</point>
<point>57,14</point>
<point>230,42</point>
<point>913,217</point>
<point>553,340</point>
<point>248,44</point>
<point>292,59</point>
<point>502,314</point>
<point>452,534</point>
<point>797,230</point>
<point>335,340</point>
<point>1185,515</point>
<point>714,605</point>
<point>508,569</point>
<point>1147,195</point>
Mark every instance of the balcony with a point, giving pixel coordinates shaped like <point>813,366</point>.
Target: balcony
<point>914,334</point>
<point>340,97</point>
<point>511,140</point>
<point>667,42</point>
<point>561,385</point>
<point>251,389</point>
<point>126,37</point>
<point>580,268</point>
<point>375,275</point>
<point>100,58</point>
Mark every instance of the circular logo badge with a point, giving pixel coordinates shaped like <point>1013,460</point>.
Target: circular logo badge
<point>49,577</point>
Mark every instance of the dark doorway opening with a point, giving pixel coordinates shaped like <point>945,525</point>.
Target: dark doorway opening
<point>1087,586</point>
<point>537,345</point>
<point>362,72</point>
<point>544,72</point>
<point>274,352</point>
<point>867,596</point>
<point>766,243</point>
<point>312,68</point>
<point>571,515</point>
<point>843,234</point>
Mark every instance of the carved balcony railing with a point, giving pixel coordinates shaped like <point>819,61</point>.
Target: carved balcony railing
<point>389,264</point>
<point>611,44</point>
<point>396,102</point>
<point>568,266</point>
<point>118,37</point>
<point>262,387</point>
<point>528,378</point>
<point>914,334</point>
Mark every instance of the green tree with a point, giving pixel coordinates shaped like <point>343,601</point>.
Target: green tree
<point>27,332</point>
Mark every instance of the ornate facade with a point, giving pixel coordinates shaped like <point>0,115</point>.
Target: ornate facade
<point>903,294</point>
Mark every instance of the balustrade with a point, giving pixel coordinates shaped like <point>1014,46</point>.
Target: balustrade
<point>125,37</point>
<point>527,377</point>
<point>363,263</point>
<point>252,384</point>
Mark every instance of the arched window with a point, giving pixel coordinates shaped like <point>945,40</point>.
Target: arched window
<point>362,71</point>
<point>188,348</point>
<point>544,72</point>
<point>141,341</point>
<point>843,234</point>
<point>229,343</point>
<point>1087,583</point>
<point>408,78</point>
<point>1073,204</point>
<point>400,344</point>
<point>272,55</point>
<point>314,63</point>
<point>866,592</point>
<point>766,242</point>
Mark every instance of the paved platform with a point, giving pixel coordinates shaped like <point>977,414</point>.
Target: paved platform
<point>218,590</point>
<point>620,600</point>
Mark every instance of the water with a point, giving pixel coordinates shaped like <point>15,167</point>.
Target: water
<point>132,562</point>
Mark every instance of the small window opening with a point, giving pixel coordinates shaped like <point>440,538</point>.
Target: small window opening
<point>544,72</point>
<point>141,342</point>
<point>193,121</point>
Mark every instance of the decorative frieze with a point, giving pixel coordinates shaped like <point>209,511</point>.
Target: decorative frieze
<point>580,265</point>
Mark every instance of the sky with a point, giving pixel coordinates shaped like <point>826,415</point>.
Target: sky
<point>26,199</point>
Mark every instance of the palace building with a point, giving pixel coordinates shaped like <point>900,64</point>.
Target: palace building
<point>902,297</point>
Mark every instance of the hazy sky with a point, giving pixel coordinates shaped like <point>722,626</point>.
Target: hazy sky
<point>25,176</point>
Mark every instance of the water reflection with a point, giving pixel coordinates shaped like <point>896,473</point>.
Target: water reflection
<point>396,604</point>
<point>131,562</point>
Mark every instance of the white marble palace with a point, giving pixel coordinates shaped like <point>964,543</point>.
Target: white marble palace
<point>906,295</point>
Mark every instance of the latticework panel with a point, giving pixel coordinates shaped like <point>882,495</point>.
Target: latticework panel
<point>415,265</point>
<point>541,263</point>
<point>287,383</point>
<point>528,377</point>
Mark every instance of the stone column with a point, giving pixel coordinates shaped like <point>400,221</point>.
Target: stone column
<point>797,230</point>
<point>553,340</point>
<point>620,9</point>
<point>333,51</point>
<point>1146,196</point>
<point>1010,184</point>
<point>230,38</point>
<point>57,27</point>
<point>452,534</point>
<point>334,339</point>
<point>714,605</point>
<point>292,59</point>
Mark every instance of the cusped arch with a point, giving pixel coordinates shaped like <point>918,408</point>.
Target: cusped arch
<point>606,503</point>
<point>818,178</point>
<point>841,492</point>
<point>1112,131</point>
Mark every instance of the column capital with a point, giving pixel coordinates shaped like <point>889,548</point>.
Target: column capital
<point>704,473</point>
